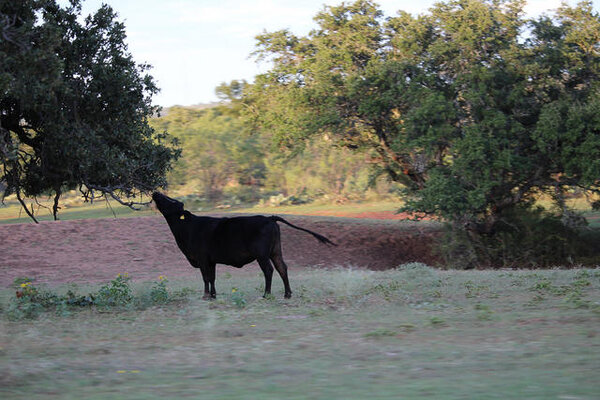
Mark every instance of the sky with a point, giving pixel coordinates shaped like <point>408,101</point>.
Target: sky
<point>195,45</point>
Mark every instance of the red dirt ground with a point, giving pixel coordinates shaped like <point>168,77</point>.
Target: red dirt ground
<point>368,214</point>
<point>96,250</point>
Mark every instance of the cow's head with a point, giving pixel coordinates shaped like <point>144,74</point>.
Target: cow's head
<point>167,206</point>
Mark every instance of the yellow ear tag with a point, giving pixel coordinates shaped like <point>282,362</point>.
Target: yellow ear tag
<point>182,216</point>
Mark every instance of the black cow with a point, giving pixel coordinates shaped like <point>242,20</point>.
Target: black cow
<point>236,241</point>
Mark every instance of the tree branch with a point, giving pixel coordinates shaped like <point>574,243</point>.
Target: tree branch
<point>30,213</point>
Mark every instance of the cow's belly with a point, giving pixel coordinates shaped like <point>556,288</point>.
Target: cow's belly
<point>237,262</point>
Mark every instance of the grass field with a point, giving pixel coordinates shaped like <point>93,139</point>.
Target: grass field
<point>12,212</point>
<point>409,333</point>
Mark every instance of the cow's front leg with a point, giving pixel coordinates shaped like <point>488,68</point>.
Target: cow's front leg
<point>212,272</point>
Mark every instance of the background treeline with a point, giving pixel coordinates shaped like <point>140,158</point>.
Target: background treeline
<point>473,110</point>
<point>225,163</point>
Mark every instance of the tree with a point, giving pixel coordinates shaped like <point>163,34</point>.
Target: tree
<point>216,150</point>
<point>74,107</point>
<point>474,117</point>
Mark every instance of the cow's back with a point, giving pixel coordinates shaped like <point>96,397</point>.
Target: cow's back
<point>239,240</point>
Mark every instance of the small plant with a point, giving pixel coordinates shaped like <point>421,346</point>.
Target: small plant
<point>72,299</point>
<point>238,298</point>
<point>437,321</point>
<point>484,313</point>
<point>575,299</point>
<point>407,327</point>
<point>381,332</point>
<point>474,290</point>
<point>117,293</point>
<point>159,293</point>
<point>183,293</point>
<point>19,280</point>
<point>387,290</point>
<point>30,301</point>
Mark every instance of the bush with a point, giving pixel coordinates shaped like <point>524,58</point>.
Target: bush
<point>30,301</point>
<point>159,293</point>
<point>116,293</point>
<point>520,238</point>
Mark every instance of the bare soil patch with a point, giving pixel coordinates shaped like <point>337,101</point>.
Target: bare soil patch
<point>96,250</point>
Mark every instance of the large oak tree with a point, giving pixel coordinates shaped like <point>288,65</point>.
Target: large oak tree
<point>74,106</point>
<point>474,108</point>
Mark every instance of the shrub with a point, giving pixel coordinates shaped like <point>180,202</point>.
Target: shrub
<point>237,297</point>
<point>159,293</point>
<point>30,301</point>
<point>116,293</point>
<point>520,238</point>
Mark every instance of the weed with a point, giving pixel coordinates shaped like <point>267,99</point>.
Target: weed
<point>159,293</point>
<point>183,293</point>
<point>581,283</point>
<point>19,280</point>
<point>317,312</point>
<point>381,332</point>
<point>575,299</point>
<point>30,301</point>
<point>474,290</point>
<point>237,297</point>
<point>269,297</point>
<point>407,327</point>
<point>117,293</point>
<point>437,321</point>
<point>386,290</point>
<point>484,313</point>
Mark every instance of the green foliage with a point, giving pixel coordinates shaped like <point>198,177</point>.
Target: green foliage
<point>159,293</point>
<point>380,333</point>
<point>217,152</point>
<point>224,163</point>
<point>474,117</point>
<point>238,298</point>
<point>573,294</point>
<point>522,238</point>
<point>74,106</point>
<point>117,293</point>
<point>30,301</point>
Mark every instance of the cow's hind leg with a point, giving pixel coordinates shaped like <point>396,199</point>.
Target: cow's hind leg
<point>208,275</point>
<point>267,269</point>
<point>281,267</point>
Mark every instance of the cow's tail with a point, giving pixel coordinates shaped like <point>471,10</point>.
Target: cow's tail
<point>320,238</point>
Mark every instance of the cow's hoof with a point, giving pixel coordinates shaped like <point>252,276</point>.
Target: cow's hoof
<point>208,297</point>
<point>287,295</point>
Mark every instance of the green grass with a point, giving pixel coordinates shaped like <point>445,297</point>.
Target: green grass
<point>374,206</point>
<point>411,333</point>
<point>13,213</point>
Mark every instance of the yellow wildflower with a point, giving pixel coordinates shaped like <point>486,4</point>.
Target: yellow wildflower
<point>233,290</point>
<point>121,371</point>
<point>24,285</point>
